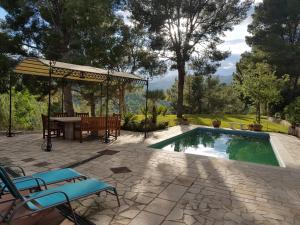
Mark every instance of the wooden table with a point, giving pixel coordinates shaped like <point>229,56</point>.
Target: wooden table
<point>69,123</point>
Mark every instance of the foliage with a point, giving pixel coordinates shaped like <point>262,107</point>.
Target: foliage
<point>127,118</point>
<point>275,34</point>
<point>179,27</point>
<point>162,110</point>
<point>25,108</point>
<point>205,94</point>
<point>205,120</point>
<point>10,45</point>
<point>78,32</point>
<point>292,111</point>
<point>140,126</point>
<point>154,96</point>
<point>260,84</point>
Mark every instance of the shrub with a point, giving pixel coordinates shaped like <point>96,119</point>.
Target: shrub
<point>140,127</point>
<point>128,117</point>
<point>162,110</point>
<point>292,112</point>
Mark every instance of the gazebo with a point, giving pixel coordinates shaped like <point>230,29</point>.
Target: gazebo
<point>59,70</point>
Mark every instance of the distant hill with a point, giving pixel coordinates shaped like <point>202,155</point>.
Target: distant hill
<point>225,79</point>
<point>165,82</point>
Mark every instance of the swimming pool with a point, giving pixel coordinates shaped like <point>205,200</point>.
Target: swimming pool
<point>227,144</point>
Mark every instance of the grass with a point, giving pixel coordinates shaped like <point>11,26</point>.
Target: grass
<point>205,119</point>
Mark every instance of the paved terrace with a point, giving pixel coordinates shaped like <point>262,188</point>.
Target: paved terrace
<point>165,188</point>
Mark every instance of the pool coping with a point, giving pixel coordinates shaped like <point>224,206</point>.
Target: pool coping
<point>279,150</point>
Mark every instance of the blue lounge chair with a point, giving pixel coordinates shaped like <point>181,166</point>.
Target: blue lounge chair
<point>52,197</point>
<point>41,179</point>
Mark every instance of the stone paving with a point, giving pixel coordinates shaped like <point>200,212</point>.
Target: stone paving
<point>167,188</point>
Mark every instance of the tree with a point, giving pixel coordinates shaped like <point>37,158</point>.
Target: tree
<point>10,46</point>
<point>292,112</point>
<point>132,55</point>
<point>71,31</point>
<point>275,31</point>
<point>179,27</point>
<point>261,85</point>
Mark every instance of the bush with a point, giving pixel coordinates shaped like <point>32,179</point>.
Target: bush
<point>128,117</point>
<point>26,111</point>
<point>140,127</point>
<point>162,110</point>
<point>292,112</point>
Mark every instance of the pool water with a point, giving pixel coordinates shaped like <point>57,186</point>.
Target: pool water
<point>226,144</point>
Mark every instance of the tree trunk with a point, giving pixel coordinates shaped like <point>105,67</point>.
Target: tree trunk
<point>92,105</point>
<point>181,77</point>
<point>154,114</point>
<point>68,100</point>
<point>258,112</point>
<point>295,86</point>
<point>122,105</point>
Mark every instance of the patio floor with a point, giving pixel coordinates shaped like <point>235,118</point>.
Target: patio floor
<point>166,188</point>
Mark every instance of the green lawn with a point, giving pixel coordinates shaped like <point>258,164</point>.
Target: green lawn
<point>205,119</point>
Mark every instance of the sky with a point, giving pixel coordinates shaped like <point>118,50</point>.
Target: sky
<point>234,41</point>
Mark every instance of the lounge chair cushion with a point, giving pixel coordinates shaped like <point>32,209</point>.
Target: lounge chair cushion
<point>50,177</point>
<point>72,190</point>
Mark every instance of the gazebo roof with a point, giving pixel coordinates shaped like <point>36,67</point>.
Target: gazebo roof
<point>41,67</point>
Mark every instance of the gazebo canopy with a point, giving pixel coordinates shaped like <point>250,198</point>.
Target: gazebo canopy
<point>41,67</point>
<point>55,69</point>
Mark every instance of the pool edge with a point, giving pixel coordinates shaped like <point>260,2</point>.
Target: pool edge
<point>241,132</point>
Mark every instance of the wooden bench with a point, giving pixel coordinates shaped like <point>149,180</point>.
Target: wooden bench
<point>98,125</point>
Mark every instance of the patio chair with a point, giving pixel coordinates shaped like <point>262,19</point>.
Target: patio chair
<point>37,180</point>
<point>89,124</point>
<point>118,116</point>
<point>55,128</point>
<point>82,114</point>
<point>60,114</point>
<point>113,126</point>
<point>51,197</point>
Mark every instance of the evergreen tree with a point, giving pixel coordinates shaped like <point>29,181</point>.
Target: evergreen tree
<point>78,32</point>
<point>179,27</point>
<point>275,31</point>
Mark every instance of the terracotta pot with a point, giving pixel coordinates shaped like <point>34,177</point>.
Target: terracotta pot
<point>184,122</point>
<point>257,127</point>
<point>250,127</point>
<point>216,123</point>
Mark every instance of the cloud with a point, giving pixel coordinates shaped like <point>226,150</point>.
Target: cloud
<point>235,42</point>
<point>227,67</point>
<point>2,13</point>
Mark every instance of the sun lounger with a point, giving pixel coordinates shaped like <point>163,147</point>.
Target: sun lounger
<point>41,179</point>
<point>52,197</point>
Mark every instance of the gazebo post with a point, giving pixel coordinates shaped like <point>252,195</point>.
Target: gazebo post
<point>9,134</point>
<point>62,96</point>
<point>49,144</point>
<point>101,92</point>
<point>146,109</point>
<point>106,138</point>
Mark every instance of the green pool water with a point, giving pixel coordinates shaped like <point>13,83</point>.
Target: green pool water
<point>234,145</point>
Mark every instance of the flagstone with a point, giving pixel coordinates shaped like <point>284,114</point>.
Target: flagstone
<point>167,188</point>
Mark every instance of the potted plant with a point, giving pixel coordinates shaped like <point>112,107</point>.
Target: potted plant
<point>216,123</point>
<point>184,121</point>
<point>257,127</point>
<point>250,126</point>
